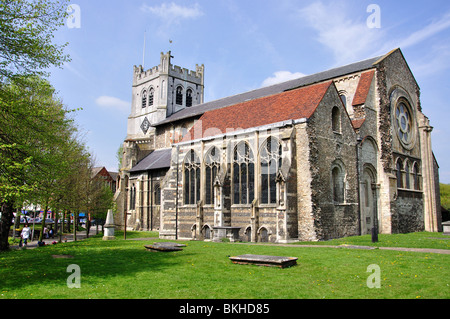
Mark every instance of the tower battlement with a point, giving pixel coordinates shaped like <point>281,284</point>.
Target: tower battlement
<point>166,68</point>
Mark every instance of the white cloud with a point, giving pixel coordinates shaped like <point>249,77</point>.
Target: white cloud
<point>421,35</point>
<point>112,102</point>
<point>281,76</point>
<point>348,39</point>
<point>173,12</point>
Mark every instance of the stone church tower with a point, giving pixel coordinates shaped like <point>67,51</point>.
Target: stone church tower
<point>157,93</point>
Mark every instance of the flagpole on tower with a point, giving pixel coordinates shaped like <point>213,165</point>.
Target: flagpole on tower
<point>143,52</point>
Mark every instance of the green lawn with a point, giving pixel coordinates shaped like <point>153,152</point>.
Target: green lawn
<point>124,269</point>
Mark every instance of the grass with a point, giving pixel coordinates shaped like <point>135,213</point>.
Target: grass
<point>124,269</point>
<point>410,240</point>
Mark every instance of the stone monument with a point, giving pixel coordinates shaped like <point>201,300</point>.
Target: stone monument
<point>108,233</point>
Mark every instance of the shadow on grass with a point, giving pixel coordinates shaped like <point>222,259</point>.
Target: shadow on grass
<point>97,259</point>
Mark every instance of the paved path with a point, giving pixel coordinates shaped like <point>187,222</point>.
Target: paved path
<point>82,235</point>
<point>65,238</point>
<point>419,250</point>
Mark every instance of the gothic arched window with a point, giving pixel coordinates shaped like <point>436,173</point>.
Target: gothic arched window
<point>243,174</point>
<point>144,98</point>
<point>399,173</point>
<point>416,177</point>
<point>336,120</point>
<point>179,96</point>
<point>407,172</point>
<point>188,97</point>
<point>191,178</point>
<point>151,95</point>
<point>133,197</point>
<point>270,163</point>
<point>212,166</point>
<point>338,183</point>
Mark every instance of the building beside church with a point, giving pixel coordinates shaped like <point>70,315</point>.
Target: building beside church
<point>323,156</point>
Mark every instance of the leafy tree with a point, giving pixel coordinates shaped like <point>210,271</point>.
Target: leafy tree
<point>26,41</point>
<point>445,195</point>
<point>29,112</point>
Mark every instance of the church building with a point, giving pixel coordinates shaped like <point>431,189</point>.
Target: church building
<point>333,154</point>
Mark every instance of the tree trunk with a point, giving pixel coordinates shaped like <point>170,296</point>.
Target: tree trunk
<point>75,223</point>
<point>41,235</point>
<point>5,224</point>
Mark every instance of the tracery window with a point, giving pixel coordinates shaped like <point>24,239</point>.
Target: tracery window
<point>188,97</point>
<point>243,174</point>
<point>404,122</point>
<point>270,163</point>
<point>212,166</point>
<point>191,178</point>
<point>151,95</point>
<point>144,98</point>
<point>179,96</point>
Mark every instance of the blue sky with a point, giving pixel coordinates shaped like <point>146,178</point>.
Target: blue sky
<point>244,44</point>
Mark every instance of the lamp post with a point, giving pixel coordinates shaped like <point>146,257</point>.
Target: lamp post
<point>375,213</point>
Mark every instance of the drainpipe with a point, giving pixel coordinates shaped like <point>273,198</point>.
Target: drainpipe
<point>176,198</point>
<point>358,179</point>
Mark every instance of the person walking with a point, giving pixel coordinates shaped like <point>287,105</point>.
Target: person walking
<point>25,234</point>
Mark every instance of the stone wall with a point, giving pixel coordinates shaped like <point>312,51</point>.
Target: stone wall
<point>330,147</point>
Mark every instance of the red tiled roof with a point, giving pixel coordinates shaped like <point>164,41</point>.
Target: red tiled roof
<point>363,88</point>
<point>358,123</point>
<point>295,104</point>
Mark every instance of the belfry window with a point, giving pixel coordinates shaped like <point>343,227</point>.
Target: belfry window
<point>243,174</point>
<point>179,96</point>
<point>151,94</point>
<point>144,98</point>
<point>188,97</point>
<point>212,165</point>
<point>191,178</point>
<point>270,163</point>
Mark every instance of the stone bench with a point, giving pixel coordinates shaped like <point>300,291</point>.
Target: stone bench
<point>263,260</point>
<point>164,247</point>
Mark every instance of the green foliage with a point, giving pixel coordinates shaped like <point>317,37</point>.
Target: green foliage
<point>26,36</point>
<point>445,195</point>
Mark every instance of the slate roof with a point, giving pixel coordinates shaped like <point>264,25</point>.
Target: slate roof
<point>291,105</point>
<point>198,110</point>
<point>158,159</point>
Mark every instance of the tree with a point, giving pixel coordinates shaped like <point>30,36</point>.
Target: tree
<point>35,136</point>
<point>26,37</point>
<point>26,100</point>
<point>445,195</point>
